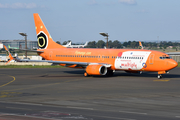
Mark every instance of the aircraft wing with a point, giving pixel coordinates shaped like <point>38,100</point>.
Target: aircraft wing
<point>53,62</point>
<point>28,50</point>
<point>173,53</point>
<point>68,63</point>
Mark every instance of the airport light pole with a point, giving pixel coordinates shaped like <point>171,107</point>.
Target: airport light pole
<point>105,35</point>
<point>25,36</point>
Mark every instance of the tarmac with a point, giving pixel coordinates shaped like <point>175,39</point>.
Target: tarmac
<point>65,94</point>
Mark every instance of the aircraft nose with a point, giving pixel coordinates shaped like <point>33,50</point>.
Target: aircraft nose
<point>172,64</point>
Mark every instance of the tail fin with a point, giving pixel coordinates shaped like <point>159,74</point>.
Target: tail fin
<point>44,39</point>
<point>10,56</point>
<point>86,44</point>
<point>140,44</point>
<point>69,44</point>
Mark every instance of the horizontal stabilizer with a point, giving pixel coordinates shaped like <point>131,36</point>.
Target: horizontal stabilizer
<point>30,50</point>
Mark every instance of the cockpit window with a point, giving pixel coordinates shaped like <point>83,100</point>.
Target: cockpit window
<point>165,57</point>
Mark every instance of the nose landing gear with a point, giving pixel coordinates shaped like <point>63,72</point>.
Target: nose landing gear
<point>85,74</point>
<point>159,76</point>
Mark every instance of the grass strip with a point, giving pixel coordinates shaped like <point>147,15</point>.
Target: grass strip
<point>178,64</point>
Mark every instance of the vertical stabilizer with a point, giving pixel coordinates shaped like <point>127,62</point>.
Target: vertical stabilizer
<point>44,39</point>
<point>10,56</point>
<point>140,44</point>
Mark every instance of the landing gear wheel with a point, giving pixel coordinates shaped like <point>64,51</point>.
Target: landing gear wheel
<point>85,74</point>
<point>159,76</point>
<point>109,73</point>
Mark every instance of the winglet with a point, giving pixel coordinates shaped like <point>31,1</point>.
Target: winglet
<point>10,56</point>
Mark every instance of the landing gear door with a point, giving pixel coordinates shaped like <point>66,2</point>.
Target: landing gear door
<point>151,59</point>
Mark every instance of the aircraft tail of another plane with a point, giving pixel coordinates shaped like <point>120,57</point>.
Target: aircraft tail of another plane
<point>86,44</point>
<point>69,44</point>
<point>140,44</point>
<point>10,56</point>
<point>45,41</point>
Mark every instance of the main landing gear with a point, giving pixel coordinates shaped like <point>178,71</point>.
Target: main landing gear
<point>85,74</point>
<point>110,73</point>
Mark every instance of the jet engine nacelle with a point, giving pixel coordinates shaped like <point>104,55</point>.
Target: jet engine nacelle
<point>96,70</point>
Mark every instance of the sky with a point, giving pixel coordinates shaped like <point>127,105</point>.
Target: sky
<point>83,20</point>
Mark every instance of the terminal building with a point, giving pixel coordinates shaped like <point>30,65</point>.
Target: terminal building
<point>20,44</point>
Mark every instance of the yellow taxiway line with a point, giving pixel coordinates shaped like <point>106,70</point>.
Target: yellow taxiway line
<point>161,80</point>
<point>9,82</point>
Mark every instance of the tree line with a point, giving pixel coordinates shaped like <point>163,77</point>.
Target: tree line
<point>130,44</point>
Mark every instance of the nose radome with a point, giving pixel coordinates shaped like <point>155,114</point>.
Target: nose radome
<point>172,64</point>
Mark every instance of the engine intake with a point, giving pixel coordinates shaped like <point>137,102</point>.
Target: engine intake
<point>96,70</point>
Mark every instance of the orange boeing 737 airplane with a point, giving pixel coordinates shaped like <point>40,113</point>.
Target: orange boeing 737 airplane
<point>99,61</point>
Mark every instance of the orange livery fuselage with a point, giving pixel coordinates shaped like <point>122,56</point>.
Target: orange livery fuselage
<point>119,59</point>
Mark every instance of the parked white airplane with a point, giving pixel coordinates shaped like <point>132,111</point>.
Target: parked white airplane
<point>74,46</point>
<point>68,44</point>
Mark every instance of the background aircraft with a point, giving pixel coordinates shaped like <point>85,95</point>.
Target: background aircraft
<point>67,45</point>
<point>140,44</point>
<point>12,47</point>
<point>75,46</point>
<point>99,61</point>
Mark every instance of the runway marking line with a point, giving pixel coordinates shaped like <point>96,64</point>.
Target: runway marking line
<point>47,84</point>
<point>26,116</point>
<point>113,117</point>
<point>18,108</point>
<point>9,82</point>
<point>81,108</point>
<point>161,80</point>
<point>133,112</point>
<point>4,94</point>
